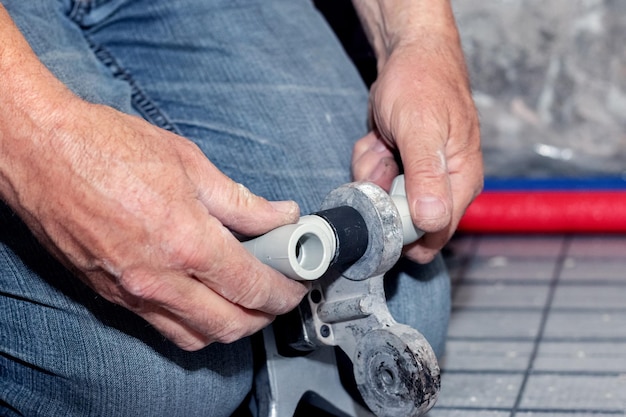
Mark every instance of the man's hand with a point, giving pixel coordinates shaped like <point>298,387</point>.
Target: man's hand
<point>145,219</point>
<point>139,213</point>
<point>422,110</point>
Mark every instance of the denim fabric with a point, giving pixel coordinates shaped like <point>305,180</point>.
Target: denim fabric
<point>265,90</point>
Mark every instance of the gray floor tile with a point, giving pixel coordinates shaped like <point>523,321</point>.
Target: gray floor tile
<point>520,246</point>
<point>575,392</point>
<point>590,357</point>
<point>487,356</point>
<point>479,390</point>
<point>468,324</point>
<point>439,412</point>
<point>594,270</point>
<point>590,297</point>
<point>586,325</point>
<point>598,247</point>
<point>571,414</point>
<point>507,268</point>
<point>501,288</point>
<point>501,295</point>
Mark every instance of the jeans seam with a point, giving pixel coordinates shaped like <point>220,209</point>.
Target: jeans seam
<point>139,99</point>
<point>78,10</point>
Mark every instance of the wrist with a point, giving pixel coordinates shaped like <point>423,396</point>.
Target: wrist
<point>393,24</point>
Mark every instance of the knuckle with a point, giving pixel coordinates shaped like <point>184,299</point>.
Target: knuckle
<point>193,344</point>
<point>229,338</point>
<point>281,297</point>
<point>141,285</point>
<point>181,248</point>
<point>252,294</point>
<point>231,331</point>
<point>430,166</point>
<point>241,196</point>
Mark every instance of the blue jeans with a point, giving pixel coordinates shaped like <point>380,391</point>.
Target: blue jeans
<point>266,91</point>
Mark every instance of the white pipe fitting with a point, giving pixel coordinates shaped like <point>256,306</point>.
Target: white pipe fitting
<point>410,233</point>
<point>301,251</point>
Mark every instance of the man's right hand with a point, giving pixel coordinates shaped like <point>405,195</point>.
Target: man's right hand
<point>138,213</point>
<point>145,219</point>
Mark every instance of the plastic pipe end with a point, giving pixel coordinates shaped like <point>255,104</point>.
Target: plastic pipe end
<point>301,251</point>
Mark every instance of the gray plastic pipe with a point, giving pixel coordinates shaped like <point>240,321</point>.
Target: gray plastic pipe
<point>304,251</point>
<point>301,251</point>
<point>410,233</point>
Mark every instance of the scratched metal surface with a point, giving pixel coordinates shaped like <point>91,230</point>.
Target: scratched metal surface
<point>538,327</point>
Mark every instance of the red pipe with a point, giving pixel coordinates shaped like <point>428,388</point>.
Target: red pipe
<point>546,212</point>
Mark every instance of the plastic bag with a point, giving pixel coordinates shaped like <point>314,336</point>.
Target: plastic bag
<point>549,81</point>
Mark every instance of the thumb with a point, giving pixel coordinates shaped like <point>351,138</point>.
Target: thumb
<point>428,185</point>
<point>242,211</point>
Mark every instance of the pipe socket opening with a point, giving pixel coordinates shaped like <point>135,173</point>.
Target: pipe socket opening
<point>310,251</point>
<point>301,251</point>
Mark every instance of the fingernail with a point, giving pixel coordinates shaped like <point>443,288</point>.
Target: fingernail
<point>287,207</point>
<point>429,208</point>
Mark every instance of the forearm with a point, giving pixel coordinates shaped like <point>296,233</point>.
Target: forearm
<point>392,23</point>
<point>30,99</point>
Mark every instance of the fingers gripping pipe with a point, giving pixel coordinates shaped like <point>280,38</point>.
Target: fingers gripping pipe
<point>337,235</point>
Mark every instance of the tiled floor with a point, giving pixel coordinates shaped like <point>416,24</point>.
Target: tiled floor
<point>538,327</point>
